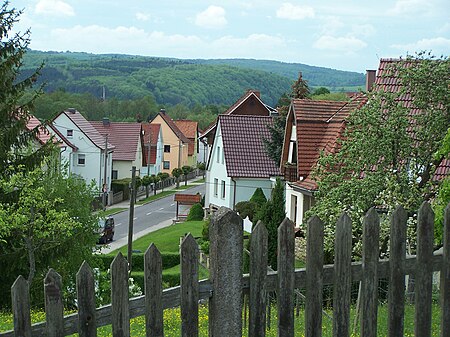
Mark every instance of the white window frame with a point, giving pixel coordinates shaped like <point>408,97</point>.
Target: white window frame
<point>218,155</point>
<point>81,157</point>
<point>69,133</point>
<point>216,187</point>
<point>223,188</point>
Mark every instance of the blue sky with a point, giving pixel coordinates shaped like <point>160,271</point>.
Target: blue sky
<point>347,35</point>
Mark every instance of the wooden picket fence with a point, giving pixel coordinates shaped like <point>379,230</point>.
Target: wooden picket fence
<point>225,287</point>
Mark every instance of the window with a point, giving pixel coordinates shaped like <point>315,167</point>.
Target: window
<point>216,187</point>
<point>69,133</point>
<point>114,174</point>
<point>167,148</point>
<point>223,189</point>
<point>166,165</point>
<point>218,154</point>
<point>81,159</point>
<point>223,157</point>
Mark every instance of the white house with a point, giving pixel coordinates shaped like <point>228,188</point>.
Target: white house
<point>151,137</point>
<point>238,163</point>
<point>86,154</point>
<point>126,138</point>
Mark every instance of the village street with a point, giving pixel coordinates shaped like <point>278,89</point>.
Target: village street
<point>148,217</point>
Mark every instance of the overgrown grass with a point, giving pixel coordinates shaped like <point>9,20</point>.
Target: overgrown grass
<point>172,321</point>
<point>166,239</point>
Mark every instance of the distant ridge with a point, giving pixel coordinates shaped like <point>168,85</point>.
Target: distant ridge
<point>176,81</point>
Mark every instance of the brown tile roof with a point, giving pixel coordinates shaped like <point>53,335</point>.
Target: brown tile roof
<point>244,151</point>
<point>124,136</point>
<point>77,118</point>
<point>187,199</point>
<point>189,129</point>
<point>153,131</point>
<point>319,125</point>
<point>173,126</point>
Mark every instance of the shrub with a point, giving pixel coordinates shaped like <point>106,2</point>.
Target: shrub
<point>205,231</point>
<point>258,197</point>
<point>246,209</point>
<point>195,213</point>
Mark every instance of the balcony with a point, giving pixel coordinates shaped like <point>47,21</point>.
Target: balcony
<point>290,172</point>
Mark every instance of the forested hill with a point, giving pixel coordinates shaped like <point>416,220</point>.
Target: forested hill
<point>175,81</point>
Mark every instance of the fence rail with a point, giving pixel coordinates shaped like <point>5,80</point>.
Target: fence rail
<point>226,285</point>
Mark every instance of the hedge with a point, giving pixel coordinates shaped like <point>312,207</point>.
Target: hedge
<point>169,260</point>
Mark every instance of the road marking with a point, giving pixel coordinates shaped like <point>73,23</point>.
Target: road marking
<point>172,205</point>
<point>118,224</point>
<point>161,208</point>
<point>149,213</point>
<point>134,218</point>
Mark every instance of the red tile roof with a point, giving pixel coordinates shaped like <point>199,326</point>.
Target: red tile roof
<point>190,130</point>
<point>153,131</point>
<point>42,135</point>
<point>244,151</point>
<point>77,118</point>
<point>173,126</point>
<point>124,136</point>
<point>319,125</point>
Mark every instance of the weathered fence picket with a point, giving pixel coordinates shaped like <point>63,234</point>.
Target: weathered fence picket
<point>258,270</point>
<point>369,308</point>
<point>87,317</point>
<point>189,287</point>
<point>314,278</point>
<point>119,297</point>
<point>226,285</point>
<point>342,277</point>
<point>153,291</point>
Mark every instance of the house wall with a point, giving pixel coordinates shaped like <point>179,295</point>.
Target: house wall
<point>217,170</point>
<point>93,167</point>
<point>245,187</point>
<point>202,152</point>
<point>123,168</point>
<point>192,160</point>
<point>170,138</point>
<point>251,106</point>
<point>295,216</point>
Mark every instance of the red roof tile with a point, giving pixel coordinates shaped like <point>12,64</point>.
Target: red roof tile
<point>42,135</point>
<point>244,151</point>
<point>153,131</point>
<point>189,129</point>
<point>187,199</point>
<point>174,127</point>
<point>124,136</point>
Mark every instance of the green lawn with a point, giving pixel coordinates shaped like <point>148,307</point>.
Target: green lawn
<point>166,239</point>
<point>111,211</point>
<point>156,197</point>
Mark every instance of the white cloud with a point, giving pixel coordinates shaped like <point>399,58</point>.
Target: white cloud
<point>437,45</point>
<point>268,45</point>
<point>212,17</point>
<point>54,8</point>
<point>142,16</point>
<point>293,12</point>
<point>364,30</point>
<point>407,7</point>
<point>346,44</point>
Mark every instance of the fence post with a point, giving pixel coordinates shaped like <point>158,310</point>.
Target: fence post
<point>445,276</point>
<point>119,297</point>
<point>424,270</point>
<point>87,322</point>
<point>20,295</point>
<point>342,276</point>
<point>314,278</point>
<point>397,257</point>
<point>285,289</point>
<point>153,292</point>
<point>54,309</point>
<point>371,238</point>
<point>258,274</point>
<point>225,305</point>
<point>189,287</point>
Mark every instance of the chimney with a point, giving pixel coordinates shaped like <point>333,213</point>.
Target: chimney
<point>106,121</point>
<point>162,111</point>
<point>72,110</point>
<point>370,79</point>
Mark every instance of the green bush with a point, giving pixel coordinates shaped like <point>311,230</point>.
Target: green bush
<point>195,213</point>
<point>169,260</point>
<point>121,185</point>
<point>205,231</point>
<point>258,197</point>
<point>246,209</point>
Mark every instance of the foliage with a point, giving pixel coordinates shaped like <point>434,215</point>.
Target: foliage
<point>146,181</point>
<point>50,224</point>
<point>272,214</point>
<point>258,197</point>
<point>186,170</point>
<point>387,154</point>
<point>246,209</point>
<point>15,139</point>
<point>176,173</point>
<point>334,96</point>
<point>300,89</point>
<point>195,213</point>
<point>321,91</point>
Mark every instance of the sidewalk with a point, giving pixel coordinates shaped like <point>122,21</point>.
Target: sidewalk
<point>126,204</point>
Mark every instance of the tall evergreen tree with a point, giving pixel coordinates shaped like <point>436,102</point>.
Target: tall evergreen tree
<point>15,106</point>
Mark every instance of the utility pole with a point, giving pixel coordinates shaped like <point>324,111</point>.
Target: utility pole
<point>131,218</point>
<point>104,189</point>
<point>179,153</point>
<point>149,147</point>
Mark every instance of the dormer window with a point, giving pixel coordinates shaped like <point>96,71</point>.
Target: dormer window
<point>69,133</point>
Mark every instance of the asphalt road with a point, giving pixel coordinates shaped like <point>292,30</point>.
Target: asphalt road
<point>151,214</point>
